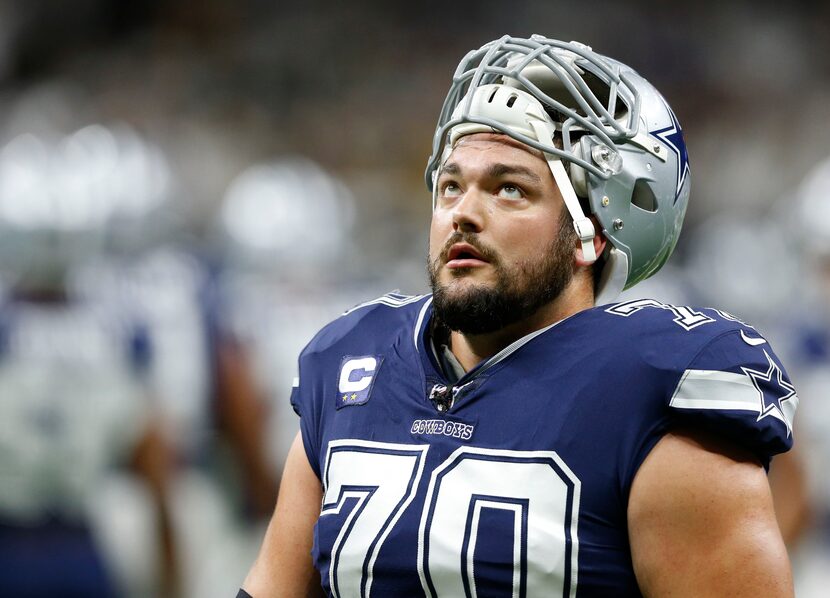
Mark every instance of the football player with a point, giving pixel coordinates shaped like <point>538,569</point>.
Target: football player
<point>516,433</point>
<point>75,398</point>
<point>806,343</point>
<point>274,291</point>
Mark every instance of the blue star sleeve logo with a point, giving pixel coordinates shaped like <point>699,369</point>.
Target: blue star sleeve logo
<point>672,136</point>
<point>777,396</point>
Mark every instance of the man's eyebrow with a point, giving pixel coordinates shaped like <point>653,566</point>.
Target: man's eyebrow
<point>496,171</point>
<point>500,170</point>
<point>451,168</point>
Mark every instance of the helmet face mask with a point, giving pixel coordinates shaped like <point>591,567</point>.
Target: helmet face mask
<point>622,143</point>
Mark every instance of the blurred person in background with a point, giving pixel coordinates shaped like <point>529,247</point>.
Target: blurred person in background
<point>274,281</point>
<point>75,401</point>
<point>159,282</point>
<point>213,422</point>
<point>517,432</point>
<point>279,279</point>
<point>805,322</point>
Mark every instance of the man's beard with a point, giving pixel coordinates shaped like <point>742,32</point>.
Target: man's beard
<point>517,294</point>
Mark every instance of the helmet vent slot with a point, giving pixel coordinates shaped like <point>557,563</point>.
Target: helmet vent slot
<point>643,196</point>
<point>492,95</point>
<point>512,100</point>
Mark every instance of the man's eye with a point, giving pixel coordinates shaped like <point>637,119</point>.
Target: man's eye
<point>450,189</point>
<point>510,192</point>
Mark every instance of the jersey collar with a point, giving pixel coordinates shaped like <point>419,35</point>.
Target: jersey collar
<point>431,361</point>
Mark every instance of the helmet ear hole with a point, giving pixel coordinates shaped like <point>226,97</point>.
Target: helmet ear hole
<point>643,196</point>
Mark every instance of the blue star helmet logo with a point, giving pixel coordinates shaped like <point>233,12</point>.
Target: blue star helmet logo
<point>672,136</point>
<point>774,392</point>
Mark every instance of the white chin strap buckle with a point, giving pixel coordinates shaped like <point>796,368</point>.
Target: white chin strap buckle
<point>585,231</point>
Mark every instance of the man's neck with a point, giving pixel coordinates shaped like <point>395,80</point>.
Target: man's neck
<point>472,349</point>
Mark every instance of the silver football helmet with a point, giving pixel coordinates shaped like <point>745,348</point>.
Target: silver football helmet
<point>626,159</point>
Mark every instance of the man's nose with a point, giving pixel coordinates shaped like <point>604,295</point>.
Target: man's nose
<point>469,212</point>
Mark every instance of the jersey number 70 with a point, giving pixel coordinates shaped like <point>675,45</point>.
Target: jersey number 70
<point>534,490</point>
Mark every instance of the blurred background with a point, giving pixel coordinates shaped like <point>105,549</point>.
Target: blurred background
<point>190,189</point>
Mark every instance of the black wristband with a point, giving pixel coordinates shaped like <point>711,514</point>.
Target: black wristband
<point>243,594</point>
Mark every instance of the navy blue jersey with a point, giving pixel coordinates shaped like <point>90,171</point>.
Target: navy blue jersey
<point>521,486</point>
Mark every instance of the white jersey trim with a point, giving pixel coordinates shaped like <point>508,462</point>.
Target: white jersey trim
<point>419,323</point>
<point>389,300</point>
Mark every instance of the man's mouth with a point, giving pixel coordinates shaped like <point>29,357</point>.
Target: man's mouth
<point>464,255</point>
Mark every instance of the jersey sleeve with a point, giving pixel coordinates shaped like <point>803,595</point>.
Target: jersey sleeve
<point>737,387</point>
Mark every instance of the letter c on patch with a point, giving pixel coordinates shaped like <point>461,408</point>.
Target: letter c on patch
<point>366,365</point>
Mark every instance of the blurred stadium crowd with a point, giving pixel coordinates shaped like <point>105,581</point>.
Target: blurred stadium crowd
<point>190,189</point>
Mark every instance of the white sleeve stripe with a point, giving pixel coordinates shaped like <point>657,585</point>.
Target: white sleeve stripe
<point>712,389</point>
<point>790,408</point>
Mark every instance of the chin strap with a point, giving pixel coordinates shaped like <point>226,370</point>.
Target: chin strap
<point>582,225</point>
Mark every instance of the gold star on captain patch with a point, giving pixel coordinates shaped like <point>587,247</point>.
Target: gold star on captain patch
<point>345,398</point>
<point>354,397</point>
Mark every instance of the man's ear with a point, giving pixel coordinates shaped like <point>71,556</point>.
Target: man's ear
<point>599,245</point>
